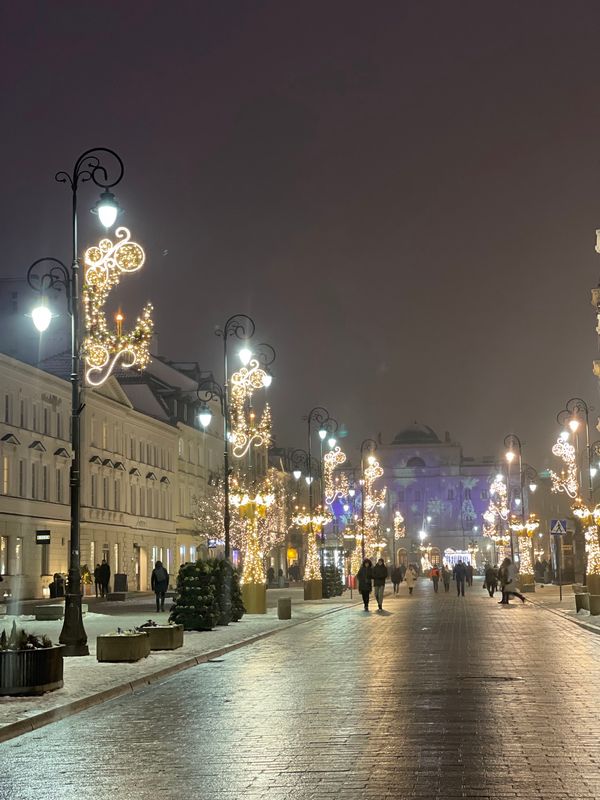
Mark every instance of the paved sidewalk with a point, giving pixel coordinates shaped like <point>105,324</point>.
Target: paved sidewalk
<point>88,682</point>
<point>548,596</point>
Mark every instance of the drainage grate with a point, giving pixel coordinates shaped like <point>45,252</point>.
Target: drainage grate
<point>489,678</point>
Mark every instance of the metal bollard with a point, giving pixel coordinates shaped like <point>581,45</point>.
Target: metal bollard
<point>284,608</point>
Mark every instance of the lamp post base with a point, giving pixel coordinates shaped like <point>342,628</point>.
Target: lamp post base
<point>254,596</point>
<point>73,635</point>
<point>313,590</point>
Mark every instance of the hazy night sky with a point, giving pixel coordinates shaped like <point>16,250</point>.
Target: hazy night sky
<point>404,195</point>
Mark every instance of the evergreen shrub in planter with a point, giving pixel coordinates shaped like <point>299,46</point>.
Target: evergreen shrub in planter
<point>332,581</point>
<point>195,605</point>
<point>29,664</point>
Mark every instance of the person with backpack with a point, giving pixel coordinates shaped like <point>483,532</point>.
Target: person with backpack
<point>159,583</point>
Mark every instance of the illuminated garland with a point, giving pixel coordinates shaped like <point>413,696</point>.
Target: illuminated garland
<point>311,525</point>
<point>399,526</point>
<point>525,531</point>
<point>253,507</point>
<point>336,486</point>
<point>374,500</point>
<point>247,431</point>
<point>568,483</point>
<point>105,350</point>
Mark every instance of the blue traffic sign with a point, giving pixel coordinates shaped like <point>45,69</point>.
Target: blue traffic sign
<point>558,526</point>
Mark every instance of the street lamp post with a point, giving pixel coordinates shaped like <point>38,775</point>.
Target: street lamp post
<point>512,442</point>
<point>88,167</point>
<point>571,416</point>
<point>366,446</point>
<point>321,417</point>
<point>242,327</point>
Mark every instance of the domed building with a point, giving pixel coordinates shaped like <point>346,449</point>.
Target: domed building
<point>440,492</point>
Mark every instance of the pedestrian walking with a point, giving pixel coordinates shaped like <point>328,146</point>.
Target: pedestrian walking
<point>270,576</point>
<point>460,575</point>
<point>159,583</point>
<point>380,575</point>
<point>491,579</point>
<point>509,582</point>
<point>435,577</point>
<point>410,576</point>
<point>396,579</point>
<point>365,581</point>
<point>469,576</point>
<point>98,580</point>
<point>446,575</point>
<point>104,577</point>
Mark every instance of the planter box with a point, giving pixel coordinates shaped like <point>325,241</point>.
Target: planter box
<point>114,648</point>
<point>31,671</point>
<point>254,596</point>
<point>313,590</point>
<point>165,637</point>
<point>119,596</point>
<point>582,600</point>
<point>48,611</point>
<point>594,604</point>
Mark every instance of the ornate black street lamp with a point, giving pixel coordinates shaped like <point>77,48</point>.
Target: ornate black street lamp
<point>241,327</point>
<point>88,167</point>
<point>570,416</point>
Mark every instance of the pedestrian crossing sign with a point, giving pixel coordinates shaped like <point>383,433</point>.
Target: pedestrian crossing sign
<point>558,526</point>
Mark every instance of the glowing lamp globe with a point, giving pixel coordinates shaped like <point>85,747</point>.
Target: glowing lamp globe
<point>267,380</point>
<point>573,424</point>
<point>205,416</point>
<point>351,492</point>
<point>41,316</point>
<point>532,487</point>
<point>245,356</point>
<point>510,456</point>
<point>564,435</point>
<point>331,442</point>
<point>107,209</point>
<point>297,474</point>
<point>308,479</point>
<point>322,434</point>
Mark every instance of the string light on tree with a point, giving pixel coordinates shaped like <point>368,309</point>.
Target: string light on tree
<point>312,526</point>
<point>103,349</point>
<point>399,526</point>
<point>252,507</point>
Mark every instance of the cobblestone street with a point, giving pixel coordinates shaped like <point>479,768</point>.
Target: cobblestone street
<point>438,697</point>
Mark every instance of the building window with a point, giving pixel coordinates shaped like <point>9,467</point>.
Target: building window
<point>150,505</point>
<point>92,556</point>
<point>142,502</point>
<point>142,452</point>
<point>23,414</point>
<point>181,448</point>
<point>450,494</point>
<point>44,482</point>
<point>485,495</point>
<point>34,481</point>
<point>467,494</point>
<point>192,552</point>
<point>154,555</point>
<point>401,495</point>
<point>132,448</point>
<point>116,557</point>
<point>58,425</point>
<point>59,494</point>
<point>34,423</point>
<point>106,493</point>
<point>104,435</point>
<point>117,495</point>
<point>5,475</point>
<point>22,479</point>
<point>18,556</point>
<point>133,500</point>
<point>94,486</point>
<point>46,420</point>
<point>3,555</point>
<point>182,554</point>
<point>45,567</point>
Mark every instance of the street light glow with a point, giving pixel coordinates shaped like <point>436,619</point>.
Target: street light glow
<point>205,416</point>
<point>322,434</point>
<point>41,316</point>
<point>297,474</point>
<point>573,424</point>
<point>532,487</point>
<point>107,209</point>
<point>510,455</point>
<point>245,356</point>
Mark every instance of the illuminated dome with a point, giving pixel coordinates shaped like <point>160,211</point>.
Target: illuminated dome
<point>417,434</point>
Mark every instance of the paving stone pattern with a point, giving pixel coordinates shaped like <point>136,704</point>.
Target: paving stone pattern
<point>438,697</point>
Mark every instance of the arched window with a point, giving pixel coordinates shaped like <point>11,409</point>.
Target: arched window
<point>415,461</point>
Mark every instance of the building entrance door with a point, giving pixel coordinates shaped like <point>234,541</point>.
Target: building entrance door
<point>141,568</point>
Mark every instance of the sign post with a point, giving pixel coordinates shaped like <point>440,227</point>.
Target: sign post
<point>557,528</point>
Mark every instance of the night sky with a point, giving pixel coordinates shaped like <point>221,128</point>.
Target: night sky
<point>404,195</point>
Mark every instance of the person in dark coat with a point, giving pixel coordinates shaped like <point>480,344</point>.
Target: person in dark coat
<point>104,577</point>
<point>365,581</point>
<point>446,575</point>
<point>97,580</point>
<point>460,574</point>
<point>159,583</point>
<point>469,574</point>
<point>380,575</point>
<point>396,579</point>
<point>491,579</point>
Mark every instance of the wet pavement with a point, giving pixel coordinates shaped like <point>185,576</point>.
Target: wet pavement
<point>438,697</point>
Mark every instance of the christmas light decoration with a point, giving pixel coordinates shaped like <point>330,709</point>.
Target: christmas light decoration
<point>567,483</point>
<point>373,500</point>
<point>336,486</point>
<point>105,350</point>
<point>399,526</point>
<point>311,525</point>
<point>247,430</point>
<point>252,507</point>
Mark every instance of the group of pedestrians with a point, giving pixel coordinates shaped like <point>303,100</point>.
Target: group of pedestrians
<point>102,578</point>
<point>504,576</point>
<point>374,577</point>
